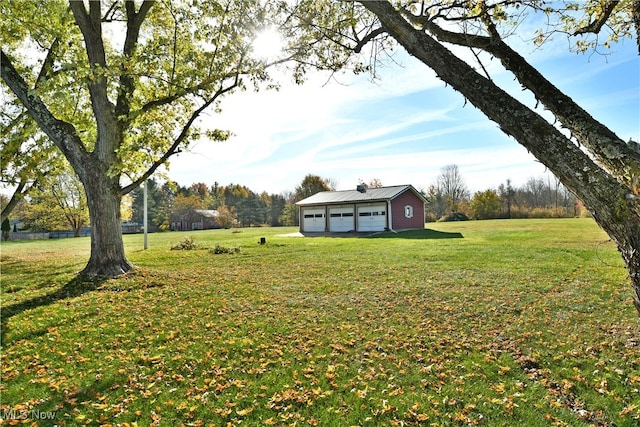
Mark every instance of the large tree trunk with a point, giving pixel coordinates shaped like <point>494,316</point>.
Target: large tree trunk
<point>626,234</point>
<point>614,205</point>
<point>107,248</point>
<point>102,188</point>
<point>632,259</point>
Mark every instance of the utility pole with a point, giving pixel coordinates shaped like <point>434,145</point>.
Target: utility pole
<point>144,216</point>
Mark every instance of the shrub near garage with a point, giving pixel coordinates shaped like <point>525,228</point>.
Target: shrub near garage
<point>485,205</point>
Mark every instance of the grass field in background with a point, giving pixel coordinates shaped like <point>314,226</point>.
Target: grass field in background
<point>507,322</point>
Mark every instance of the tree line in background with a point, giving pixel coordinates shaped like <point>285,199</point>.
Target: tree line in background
<point>60,204</point>
<point>540,197</point>
<point>237,205</point>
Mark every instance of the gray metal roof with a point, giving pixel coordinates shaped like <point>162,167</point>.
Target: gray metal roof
<point>349,196</point>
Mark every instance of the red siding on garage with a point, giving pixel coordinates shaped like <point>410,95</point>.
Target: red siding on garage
<point>400,221</point>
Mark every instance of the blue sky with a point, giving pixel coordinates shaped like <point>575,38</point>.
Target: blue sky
<point>402,129</point>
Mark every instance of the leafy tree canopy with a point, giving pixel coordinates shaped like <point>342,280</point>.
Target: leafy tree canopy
<point>125,85</point>
<point>312,184</point>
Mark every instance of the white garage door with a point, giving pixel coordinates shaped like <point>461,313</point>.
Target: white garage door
<point>313,220</point>
<point>341,220</point>
<point>372,218</point>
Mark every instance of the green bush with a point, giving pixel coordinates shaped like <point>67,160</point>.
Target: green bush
<point>485,205</point>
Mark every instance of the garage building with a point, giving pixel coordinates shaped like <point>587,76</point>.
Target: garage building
<point>364,209</point>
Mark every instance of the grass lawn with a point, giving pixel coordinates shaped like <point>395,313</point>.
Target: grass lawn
<point>518,322</point>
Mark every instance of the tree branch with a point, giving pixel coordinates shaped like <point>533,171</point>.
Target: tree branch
<point>181,138</point>
<point>127,82</point>
<point>370,36</point>
<point>596,25</point>
<point>611,152</point>
<point>184,92</point>
<point>110,13</point>
<point>21,190</point>
<point>462,39</point>
<point>62,134</point>
<point>47,65</point>
<point>619,158</point>
<point>90,25</point>
<point>45,72</point>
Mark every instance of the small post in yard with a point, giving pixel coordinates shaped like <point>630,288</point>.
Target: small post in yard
<point>144,215</point>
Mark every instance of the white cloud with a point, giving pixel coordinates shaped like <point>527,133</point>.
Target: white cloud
<point>306,120</point>
<point>401,129</point>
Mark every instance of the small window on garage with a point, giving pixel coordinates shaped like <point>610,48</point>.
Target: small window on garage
<point>408,211</point>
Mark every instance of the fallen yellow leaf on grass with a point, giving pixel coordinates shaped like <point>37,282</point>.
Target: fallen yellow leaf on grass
<point>503,370</point>
<point>629,410</point>
<point>243,412</point>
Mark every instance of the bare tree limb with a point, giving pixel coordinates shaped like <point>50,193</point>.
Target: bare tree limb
<point>370,36</point>
<point>110,13</point>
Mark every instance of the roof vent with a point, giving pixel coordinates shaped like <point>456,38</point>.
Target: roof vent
<point>361,188</point>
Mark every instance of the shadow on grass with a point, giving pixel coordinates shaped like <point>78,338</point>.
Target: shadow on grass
<point>74,288</point>
<point>336,234</point>
<point>418,234</point>
<point>407,234</point>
